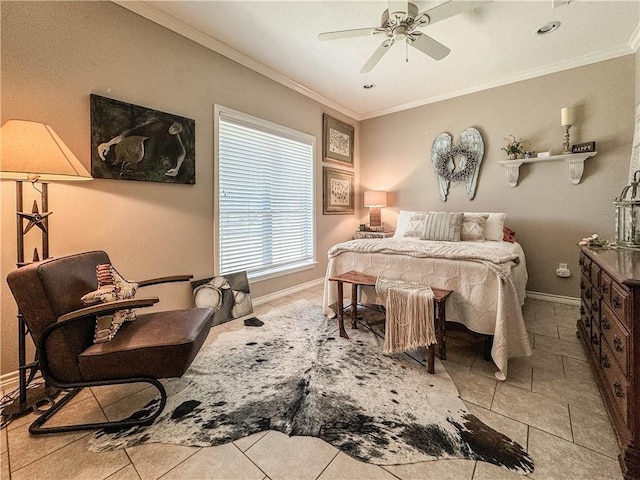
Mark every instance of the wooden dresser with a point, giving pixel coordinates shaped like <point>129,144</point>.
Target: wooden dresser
<point>609,327</point>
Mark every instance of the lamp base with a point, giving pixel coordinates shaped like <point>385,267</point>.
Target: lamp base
<point>375,217</point>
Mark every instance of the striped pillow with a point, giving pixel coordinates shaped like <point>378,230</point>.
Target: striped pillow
<point>442,226</point>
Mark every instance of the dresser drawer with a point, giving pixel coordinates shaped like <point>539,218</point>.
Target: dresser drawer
<point>617,383</point>
<point>620,303</point>
<point>594,341</point>
<point>604,287</point>
<point>585,264</point>
<point>594,274</point>
<point>616,337</point>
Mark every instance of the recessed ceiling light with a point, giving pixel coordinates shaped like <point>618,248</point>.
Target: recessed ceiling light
<point>369,86</point>
<point>548,27</point>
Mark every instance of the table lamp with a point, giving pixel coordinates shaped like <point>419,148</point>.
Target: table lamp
<point>33,152</point>
<point>375,199</point>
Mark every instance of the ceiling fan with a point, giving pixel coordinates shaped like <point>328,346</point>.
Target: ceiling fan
<point>401,21</point>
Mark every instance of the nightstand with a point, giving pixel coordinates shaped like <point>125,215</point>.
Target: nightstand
<point>368,234</point>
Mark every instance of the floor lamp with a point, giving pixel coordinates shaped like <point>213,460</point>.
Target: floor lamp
<point>33,152</point>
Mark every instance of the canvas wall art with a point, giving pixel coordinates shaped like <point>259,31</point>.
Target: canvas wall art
<point>228,295</point>
<point>129,142</point>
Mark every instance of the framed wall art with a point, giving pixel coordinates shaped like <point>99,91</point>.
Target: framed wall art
<point>338,195</point>
<point>129,142</point>
<point>337,141</point>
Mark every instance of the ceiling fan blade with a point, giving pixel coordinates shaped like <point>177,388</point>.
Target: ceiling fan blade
<point>377,55</point>
<point>397,6</point>
<point>429,46</point>
<point>356,32</point>
<point>451,8</point>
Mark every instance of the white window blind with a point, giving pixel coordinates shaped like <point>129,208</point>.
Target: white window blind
<point>265,196</point>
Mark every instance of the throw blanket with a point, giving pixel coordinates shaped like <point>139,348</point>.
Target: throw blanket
<point>409,320</point>
<point>498,262</point>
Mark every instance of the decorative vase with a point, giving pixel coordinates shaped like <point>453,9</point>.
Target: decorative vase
<point>513,156</point>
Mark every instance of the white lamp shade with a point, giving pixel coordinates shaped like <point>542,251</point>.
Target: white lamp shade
<point>375,198</point>
<point>33,151</point>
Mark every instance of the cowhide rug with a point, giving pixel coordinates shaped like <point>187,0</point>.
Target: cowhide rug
<point>297,376</point>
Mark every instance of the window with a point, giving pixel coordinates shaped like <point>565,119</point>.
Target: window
<point>265,196</point>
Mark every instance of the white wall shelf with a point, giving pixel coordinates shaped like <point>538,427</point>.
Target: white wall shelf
<point>575,162</point>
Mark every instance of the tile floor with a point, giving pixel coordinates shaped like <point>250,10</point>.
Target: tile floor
<point>549,404</point>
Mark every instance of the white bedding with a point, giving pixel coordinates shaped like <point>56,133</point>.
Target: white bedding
<point>486,298</point>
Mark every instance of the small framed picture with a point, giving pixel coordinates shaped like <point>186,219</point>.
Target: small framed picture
<point>337,141</point>
<point>583,147</point>
<point>337,192</point>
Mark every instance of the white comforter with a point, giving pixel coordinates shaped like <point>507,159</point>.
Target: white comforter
<point>488,280</point>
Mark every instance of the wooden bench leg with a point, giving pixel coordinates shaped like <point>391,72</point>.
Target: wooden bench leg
<point>354,305</point>
<point>431,350</point>
<point>343,332</point>
<point>441,321</point>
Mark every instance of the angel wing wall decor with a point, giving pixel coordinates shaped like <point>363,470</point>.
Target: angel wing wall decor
<point>469,153</point>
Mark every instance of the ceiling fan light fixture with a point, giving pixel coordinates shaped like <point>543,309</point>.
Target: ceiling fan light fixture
<point>548,28</point>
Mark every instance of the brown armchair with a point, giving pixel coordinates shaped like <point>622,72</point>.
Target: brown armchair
<point>156,345</point>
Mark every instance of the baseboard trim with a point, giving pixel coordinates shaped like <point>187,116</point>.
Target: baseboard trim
<point>288,291</point>
<point>548,297</point>
<point>9,381</point>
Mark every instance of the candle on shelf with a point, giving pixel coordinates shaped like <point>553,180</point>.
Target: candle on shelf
<point>566,116</point>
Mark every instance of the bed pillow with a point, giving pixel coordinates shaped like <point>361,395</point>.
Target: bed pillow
<point>508,235</point>
<point>403,223</point>
<point>415,225</point>
<point>494,225</point>
<point>442,226</point>
<point>473,225</point>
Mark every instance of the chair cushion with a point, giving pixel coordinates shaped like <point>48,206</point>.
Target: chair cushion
<point>156,345</point>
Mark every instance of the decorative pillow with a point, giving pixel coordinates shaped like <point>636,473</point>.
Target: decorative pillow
<point>403,222</point>
<point>111,287</point>
<point>415,225</point>
<point>493,227</point>
<point>229,296</point>
<point>442,226</point>
<point>508,235</point>
<point>473,226</point>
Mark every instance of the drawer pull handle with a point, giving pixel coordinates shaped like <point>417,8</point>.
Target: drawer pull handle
<point>581,310</point>
<point>587,322</point>
<point>604,288</point>
<point>594,339</point>
<point>587,294</point>
<point>595,306</point>
<point>606,325</point>
<point>617,388</point>
<point>617,344</point>
<point>617,303</point>
<point>605,362</point>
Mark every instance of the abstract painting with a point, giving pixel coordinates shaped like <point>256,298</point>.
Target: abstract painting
<point>228,295</point>
<point>129,142</point>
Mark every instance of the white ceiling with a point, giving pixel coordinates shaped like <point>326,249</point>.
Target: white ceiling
<point>491,45</point>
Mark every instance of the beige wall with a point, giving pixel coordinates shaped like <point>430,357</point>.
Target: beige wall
<point>548,213</point>
<point>53,56</point>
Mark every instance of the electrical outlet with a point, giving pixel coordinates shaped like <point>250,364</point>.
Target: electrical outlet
<point>563,271</point>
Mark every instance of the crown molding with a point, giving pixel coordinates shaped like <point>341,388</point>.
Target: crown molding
<point>146,10</point>
<point>634,41</point>
<point>526,75</point>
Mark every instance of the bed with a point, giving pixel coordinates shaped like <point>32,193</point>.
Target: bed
<point>488,277</point>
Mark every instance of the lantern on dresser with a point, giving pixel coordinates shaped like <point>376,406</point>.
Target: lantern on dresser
<point>628,214</point>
